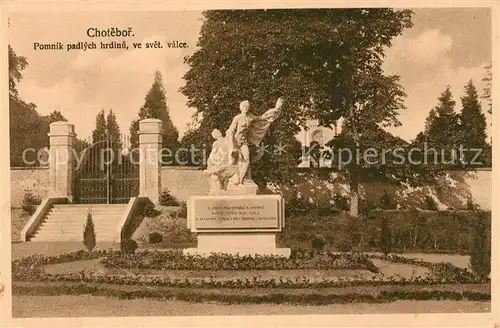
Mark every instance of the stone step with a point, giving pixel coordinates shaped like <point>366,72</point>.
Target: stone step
<point>65,222</point>
<point>97,218</point>
<point>76,212</point>
<point>80,206</point>
<point>68,238</point>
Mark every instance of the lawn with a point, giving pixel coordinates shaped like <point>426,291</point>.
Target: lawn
<point>84,306</point>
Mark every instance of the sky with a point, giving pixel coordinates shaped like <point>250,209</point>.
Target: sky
<point>444,47</point>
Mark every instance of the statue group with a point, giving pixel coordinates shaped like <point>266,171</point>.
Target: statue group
<point>229,161</point>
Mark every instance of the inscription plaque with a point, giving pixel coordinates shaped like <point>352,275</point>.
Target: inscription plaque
<point>236,213</point>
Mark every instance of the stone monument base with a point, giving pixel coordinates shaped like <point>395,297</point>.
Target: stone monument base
<point>244,243</point>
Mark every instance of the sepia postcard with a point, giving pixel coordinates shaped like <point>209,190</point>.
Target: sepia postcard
<point>209,164</point>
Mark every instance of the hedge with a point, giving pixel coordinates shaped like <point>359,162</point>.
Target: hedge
<point>284,297</point>
<point>411,231</point>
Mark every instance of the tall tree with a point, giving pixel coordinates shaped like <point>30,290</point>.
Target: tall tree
<point>16,65</point>
<point>325,63</point>
<point>113,128</point>
<point>444,131</point>
<point>439,143</point>
<point>99,132</point>
<point>430,120</point>
<point>473,125</point>
<point>155,106</point>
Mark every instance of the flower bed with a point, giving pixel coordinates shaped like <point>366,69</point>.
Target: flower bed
<point>32,269</point>
<point>446,282</point>
<point>288,296</point>
<point>440,271</point>
<point>176,260</point>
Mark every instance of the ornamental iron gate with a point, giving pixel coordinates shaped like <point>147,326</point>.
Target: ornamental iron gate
<point>106,172</point>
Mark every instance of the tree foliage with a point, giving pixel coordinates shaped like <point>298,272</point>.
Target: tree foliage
<point>89,238</point>
<point>480,260</point>
<point>155,106</point>
<point>439,143</point>
<point>56,116</point>
<point>106,125</point>
<point>473,127</point>
<point>326,63</point>
<point>488,77</point>
<point>112,127</point>
<point>16,65</point>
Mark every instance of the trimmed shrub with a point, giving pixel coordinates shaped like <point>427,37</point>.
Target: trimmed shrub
<point>30,202</point>
<point>167,199</point>
<point>480,260</point>
<point>128,246</point>
<point>318,242</point>
<point>89,239</point>
<point>430,204</point>
<point>155,237</point>
<point>385,237</point>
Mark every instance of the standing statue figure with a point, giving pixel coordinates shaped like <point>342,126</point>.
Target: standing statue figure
<point>247,129</point>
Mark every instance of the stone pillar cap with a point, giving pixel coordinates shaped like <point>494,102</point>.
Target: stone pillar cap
<point>61,128</point>
<point>60,123</point>
<point>146,120</point>
<point>150,126</point>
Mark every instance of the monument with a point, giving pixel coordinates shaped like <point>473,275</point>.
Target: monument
<point>232,218</point>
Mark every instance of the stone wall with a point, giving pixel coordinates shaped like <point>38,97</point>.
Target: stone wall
<point>183,182</point>
<point>36,180</point>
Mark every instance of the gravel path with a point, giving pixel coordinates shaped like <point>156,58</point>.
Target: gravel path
<point>82,306</point>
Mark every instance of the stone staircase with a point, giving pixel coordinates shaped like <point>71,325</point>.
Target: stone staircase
<point>65,222</point>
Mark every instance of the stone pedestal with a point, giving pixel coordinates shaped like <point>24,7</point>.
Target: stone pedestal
<point>61,159</point>
<point>236,224</point>
<point>234,243</point>
<point>150,145</point>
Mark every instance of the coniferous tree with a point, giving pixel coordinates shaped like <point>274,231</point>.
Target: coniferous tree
<point>444,133</point>
<point>430,120</point>
<point>113,128</point>
<point>89,238</point>
<point>155,106</point>
<point>99,132</point>
<point>473,127</point>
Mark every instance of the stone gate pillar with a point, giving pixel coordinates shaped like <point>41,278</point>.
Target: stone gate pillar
<point>150,144</point>
<point>61,160</point>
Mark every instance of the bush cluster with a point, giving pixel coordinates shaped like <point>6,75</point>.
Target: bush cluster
<point>30,202</point>
<point>409,231</point>
<point>167,199</point>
